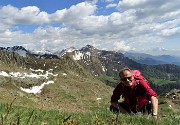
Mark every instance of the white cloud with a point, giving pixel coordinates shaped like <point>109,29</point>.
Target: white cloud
<point>129,3</point>
<point>108,1</point>
<point>33,15</point>
<point>150,8</point>
<point>171,15</point>
<point>74,13</point>
<point>111,5</point>
<point>25,15</point>
<point>119,18</point>
<point>122,46</point>
<point>137,22</point>
<point>170,32</point>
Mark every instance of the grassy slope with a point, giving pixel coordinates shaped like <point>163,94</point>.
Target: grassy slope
<point>99,115</point>
<point>160,81</point>
<point>71,95</point>
<point>71,92</point>
<point>10,90</point>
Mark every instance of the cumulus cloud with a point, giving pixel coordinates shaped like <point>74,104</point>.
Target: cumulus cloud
<point>122,45</point>
<point>170,32</point>
<point>111,5</point>
<point>135,22</point>
<point>25,15</point>
<point>33,15</point>
<point>150,8</point>
<point>79,11</point>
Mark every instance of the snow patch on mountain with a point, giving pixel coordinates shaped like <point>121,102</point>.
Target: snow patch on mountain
<point>3,73</point>
<point>38,70</point>
<point>68,50</point>
<point>37,74</point>
<point>24,75</point>
<point>104,68</point>
<point>72,49</point>
<point>78,55</point>
<point>36,89</point>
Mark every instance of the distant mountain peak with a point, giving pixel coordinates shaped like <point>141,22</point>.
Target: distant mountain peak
<point>71,49</point>
<point>88,48</point>
<point>16,48</point>
<point>68,50</point>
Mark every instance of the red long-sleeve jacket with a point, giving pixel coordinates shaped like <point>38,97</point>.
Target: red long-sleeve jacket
<point>136,96</point>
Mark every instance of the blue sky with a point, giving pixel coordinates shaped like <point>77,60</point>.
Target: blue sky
<point>44,5</point>
<point>147,26</point>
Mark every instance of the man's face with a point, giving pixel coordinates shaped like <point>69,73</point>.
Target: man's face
<point>127,78</point>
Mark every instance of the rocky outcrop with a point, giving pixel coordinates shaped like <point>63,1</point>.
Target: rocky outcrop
<point>174,96</point>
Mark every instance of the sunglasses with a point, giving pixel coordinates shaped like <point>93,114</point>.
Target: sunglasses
<point>125,79</point>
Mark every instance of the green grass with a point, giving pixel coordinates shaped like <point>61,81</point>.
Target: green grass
<point>160,81</point>
<point>97,115</point>
<point>108,78</point>
<point>67,102</point>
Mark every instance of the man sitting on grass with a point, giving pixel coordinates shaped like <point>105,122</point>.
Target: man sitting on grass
<point>138,95</point>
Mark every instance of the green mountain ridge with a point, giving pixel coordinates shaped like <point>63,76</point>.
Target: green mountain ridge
<point>73,87</point>
<point>78,83</point>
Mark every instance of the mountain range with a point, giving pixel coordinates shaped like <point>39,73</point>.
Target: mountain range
<point>88,52</point>
<point>72,77</point>
<point>100,62</point>
<point>153,60</point>
<point>141,58</point>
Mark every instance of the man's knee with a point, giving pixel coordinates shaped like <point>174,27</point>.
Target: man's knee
<point>113,109</point>
<point>123,108</point>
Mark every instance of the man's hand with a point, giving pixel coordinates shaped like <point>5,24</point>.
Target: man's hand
<point>115,104</point>
<point>155,117</point>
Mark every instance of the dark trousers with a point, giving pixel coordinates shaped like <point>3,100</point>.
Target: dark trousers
<point>146,109</point>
